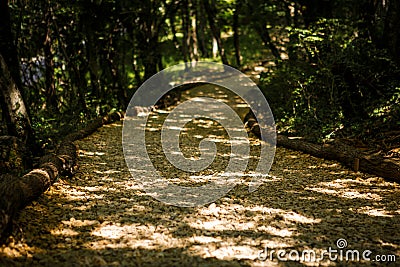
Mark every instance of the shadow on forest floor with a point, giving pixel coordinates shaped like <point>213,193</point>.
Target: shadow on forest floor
<point>100,217</point>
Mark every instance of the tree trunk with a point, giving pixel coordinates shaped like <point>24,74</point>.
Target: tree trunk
<point>391,35</point>
<point>8,48</point>
<point>236,32</point>
<point>201,28</point>
<point>18,121</point>
<point>173,29</point>
<point>292,17</point>
<point>51,98</point>
<point>93,58</point>
<point>81,85</point>
<point>12,102</point>
<point>150,60</point>
<point>211,14</point>
<point>185,29</point>
<point>262,30</point>
<point>194,51</point>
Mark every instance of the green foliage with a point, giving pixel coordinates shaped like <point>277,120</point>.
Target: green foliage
<point>332,74</point>
<point>334,82</point>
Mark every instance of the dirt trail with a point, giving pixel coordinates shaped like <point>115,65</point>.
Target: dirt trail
<point>100,217</point>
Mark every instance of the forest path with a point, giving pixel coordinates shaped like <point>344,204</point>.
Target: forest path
<point>100,217</point>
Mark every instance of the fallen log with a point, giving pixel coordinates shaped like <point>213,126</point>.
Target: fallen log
<point>347,155</point>
<point>17,192</point>
<point>93,126</point>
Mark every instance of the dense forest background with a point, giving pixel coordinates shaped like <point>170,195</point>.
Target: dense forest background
<point>329,68</point>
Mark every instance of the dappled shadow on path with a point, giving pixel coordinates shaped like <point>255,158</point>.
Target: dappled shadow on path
<point>100,217</point>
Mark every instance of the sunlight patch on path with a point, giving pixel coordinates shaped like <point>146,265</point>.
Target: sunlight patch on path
<point>101,218</point>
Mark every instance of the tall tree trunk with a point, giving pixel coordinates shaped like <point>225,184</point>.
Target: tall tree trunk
<point>186,30</point>
<point>50,92</point>
<point>214,47</point>
<point>173,29</point>
<point>189,42</point>
<point>201,28</point>
<point>391,35</point>
<point>9,52</point>
<point>11,99</point>
<point>194,50</point>
<point>262,30</point>
<point>292,18</point>
<point>81,86</point>
<point>211,14</point>
<point>236,32</point>
<point>150,58</point>
<point>18,121</point>
<point>367,25</point>
<point>8,48</point>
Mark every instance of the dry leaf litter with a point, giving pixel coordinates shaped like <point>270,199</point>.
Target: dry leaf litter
<point>100,217</point>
